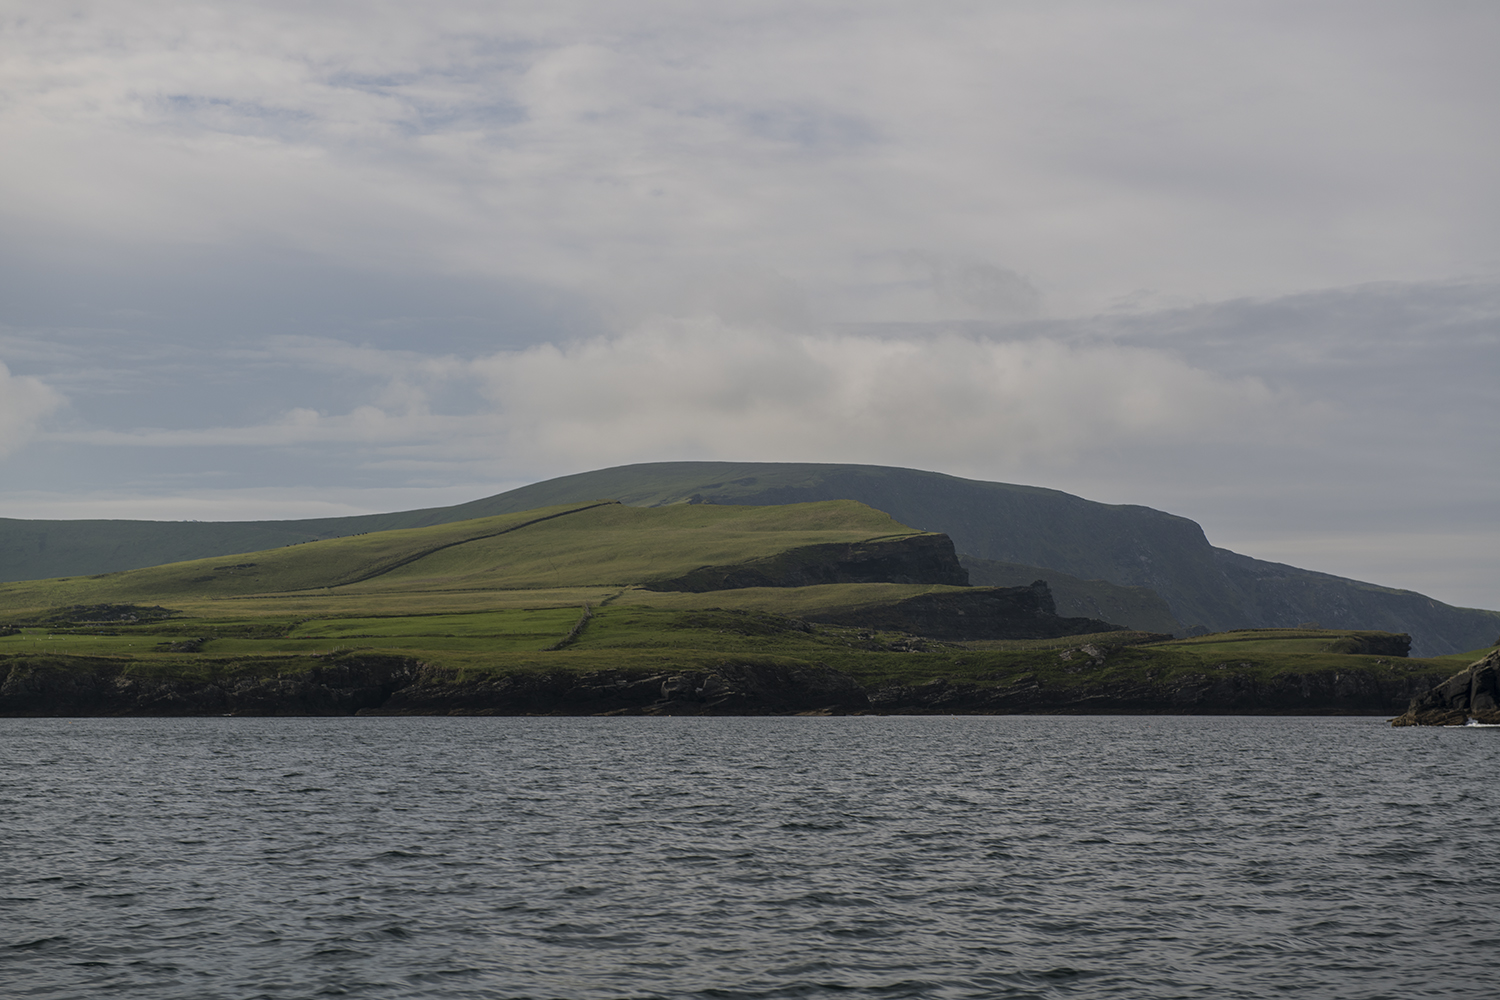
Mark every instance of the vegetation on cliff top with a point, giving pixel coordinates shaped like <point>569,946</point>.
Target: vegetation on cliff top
<point>599,544</point>
<point>560,589</point>
<point>1121,563</point>
<point>643,641</point>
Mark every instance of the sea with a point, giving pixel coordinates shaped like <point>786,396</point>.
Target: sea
<point>729,858</point>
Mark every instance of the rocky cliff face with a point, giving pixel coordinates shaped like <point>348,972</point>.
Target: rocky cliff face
<point>979,613</point>
<point>1128,546</point>
<point>730,689</point>
<point>912,559</point>
<point>1273,595</point>
<point>1226,691</point>
<point>1472,693</point>
<point>47,686</point>
<point>388,685</point>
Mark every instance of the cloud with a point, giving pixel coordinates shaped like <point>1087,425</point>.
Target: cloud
<point>1350,424</point>
<point>242,504</point>
<point>702,388</point>
<point>24,402</point>
<point>1203,152</point>
<point>1233,260</point>
<point>975,289</point>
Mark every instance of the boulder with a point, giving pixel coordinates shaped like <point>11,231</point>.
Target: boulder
<point>1472,693</point>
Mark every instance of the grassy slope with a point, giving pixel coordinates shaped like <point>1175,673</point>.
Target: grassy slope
<point>643,638</point>
<point>1127,546</point>
<point>493,595</point>
<point>618,546</point>
<point>44,549</point>
<point>998,521</point>
<point>596,545</point>
<point>1124,545</point>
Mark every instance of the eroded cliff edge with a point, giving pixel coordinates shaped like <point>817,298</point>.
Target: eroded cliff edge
<point>373,684</point>
<point>1472,693</point>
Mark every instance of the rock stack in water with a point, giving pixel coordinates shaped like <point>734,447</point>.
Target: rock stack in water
<point>1473,693</point>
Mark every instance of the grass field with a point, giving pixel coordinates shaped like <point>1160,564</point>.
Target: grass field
<point>592,545</point>
<point>500,594</point>
<point>639,635</point>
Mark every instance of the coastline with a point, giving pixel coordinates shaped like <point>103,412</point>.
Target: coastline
<point>374,684</point>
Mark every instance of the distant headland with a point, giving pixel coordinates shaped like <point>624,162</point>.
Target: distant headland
<point>679,608</point>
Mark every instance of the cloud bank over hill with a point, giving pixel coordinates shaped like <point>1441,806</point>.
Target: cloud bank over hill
<point>24,401</point>
<point>703,388</point>
<point>1239,262</point>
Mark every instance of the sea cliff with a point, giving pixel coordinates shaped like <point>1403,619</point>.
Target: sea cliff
<point>1472,693</point>
<point>370,684</point>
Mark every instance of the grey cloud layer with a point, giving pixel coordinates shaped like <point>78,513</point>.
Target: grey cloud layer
<point>1335,424</point>
<point>1098,150</point>
<point>1236,260</point>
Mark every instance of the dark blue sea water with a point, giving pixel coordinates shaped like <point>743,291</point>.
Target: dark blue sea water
<point>729,858</point>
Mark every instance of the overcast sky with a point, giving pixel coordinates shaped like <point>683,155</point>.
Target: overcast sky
<point>1238,261</point>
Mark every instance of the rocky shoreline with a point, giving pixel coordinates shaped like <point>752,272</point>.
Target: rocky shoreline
<point>1471,694</point>
<point>372,684</point>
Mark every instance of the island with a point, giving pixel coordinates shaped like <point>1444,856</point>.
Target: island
<point>600,608</point>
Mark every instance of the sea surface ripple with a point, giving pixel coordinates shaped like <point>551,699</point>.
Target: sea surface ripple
<point>747,858</point>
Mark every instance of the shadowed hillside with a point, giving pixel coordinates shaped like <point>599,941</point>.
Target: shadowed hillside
<point>1039,530</point>
<point>681,609</point>
<point>598,544</point>
<point>1100,547</point>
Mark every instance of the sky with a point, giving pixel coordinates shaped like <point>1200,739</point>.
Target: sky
<point>1236,261</point>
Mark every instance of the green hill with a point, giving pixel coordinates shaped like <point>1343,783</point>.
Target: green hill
<point>600,608</point>
<point>1047,532</point>
<point>1099,556</point>
<point>593,545</point>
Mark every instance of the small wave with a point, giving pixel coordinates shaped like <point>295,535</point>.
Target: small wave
<point>1065,972</point>
<point>38,944</point>
<point>546,875</point>
<point>403,854</point>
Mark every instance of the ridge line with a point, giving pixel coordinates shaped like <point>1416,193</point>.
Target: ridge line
<point>463,541</point>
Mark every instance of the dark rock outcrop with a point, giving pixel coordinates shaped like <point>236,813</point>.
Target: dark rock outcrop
<point>1127,545</point>
<point>1472,693</point>
<point>391,685</point>
<point>101,614</point>
<point>1225,691</point>
<point>728,689</point>
<point>967,616</point>
<point>372,684</point>
<point>48,686</point>
<point>1374,644</point>
<point>909,559</point>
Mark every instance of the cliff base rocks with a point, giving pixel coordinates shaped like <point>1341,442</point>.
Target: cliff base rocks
<point>1472,693</point>
<point>1090,681</point>
<point>46,686</point>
